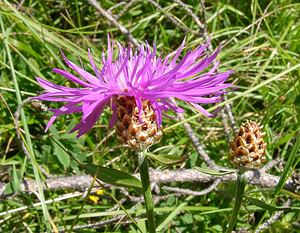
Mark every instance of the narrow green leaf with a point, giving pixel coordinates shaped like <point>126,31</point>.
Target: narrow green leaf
<point>24,47</point>
<point>286,171</point>
<point>16,180</point>
<point>167,159</point>
<point>213,172</point>
<point>170,217</point>
<point>8,189</point>
<point>114,177</point>
<point>266,206</point>
<point>62,156</point>
<point>142,225</point>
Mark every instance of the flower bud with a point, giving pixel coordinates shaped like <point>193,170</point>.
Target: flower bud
<point>248,148</point>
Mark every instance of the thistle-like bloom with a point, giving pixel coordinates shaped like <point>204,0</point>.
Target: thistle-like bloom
<point>139,84</point>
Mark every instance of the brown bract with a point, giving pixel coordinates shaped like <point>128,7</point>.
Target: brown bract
<point>248,148</point>
<point>137,133</point>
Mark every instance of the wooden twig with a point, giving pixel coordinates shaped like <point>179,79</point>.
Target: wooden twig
<point>101,224</point>
<point>172,19</point>
<point>79,182</point>
<point>197,145</point>
<point>230,116</point>
<point>192,192</point>
<point>113,21</point>
<point>225,125</point>
<point>191,13</point>
<point>227,108</point>
<point>117,5</point>
<point>125,8</point>
<point>274,218</point>
<point>271,164</point>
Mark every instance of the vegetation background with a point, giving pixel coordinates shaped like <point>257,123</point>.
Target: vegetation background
<point>260,41</point>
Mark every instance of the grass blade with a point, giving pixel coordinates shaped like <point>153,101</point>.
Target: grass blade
<point>27,133</point>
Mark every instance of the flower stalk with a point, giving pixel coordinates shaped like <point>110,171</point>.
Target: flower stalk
<point>146,188</point>
<point>239,194</point>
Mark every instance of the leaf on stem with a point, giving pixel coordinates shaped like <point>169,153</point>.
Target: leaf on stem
<point>114,177</point>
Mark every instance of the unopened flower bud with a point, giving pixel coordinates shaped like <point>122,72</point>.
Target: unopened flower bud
<point>248,148</point>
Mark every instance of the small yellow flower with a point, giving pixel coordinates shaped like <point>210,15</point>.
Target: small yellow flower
<point>95,198</point>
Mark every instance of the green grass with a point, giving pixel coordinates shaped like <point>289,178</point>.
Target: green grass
<point>260,42</point>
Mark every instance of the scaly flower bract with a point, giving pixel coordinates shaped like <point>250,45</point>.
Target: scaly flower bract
<point>140,74</point>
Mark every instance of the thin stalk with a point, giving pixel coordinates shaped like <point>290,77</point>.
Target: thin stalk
<point>239,193</point>
<point>146,187</point>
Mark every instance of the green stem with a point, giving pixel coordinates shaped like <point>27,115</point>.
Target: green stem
<point>144,172</point>
<point>239,193</point>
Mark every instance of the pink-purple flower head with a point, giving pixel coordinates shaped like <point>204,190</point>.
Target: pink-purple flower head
<point>140,74</point>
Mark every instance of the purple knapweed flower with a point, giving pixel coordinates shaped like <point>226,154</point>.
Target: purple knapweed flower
<point>143,79</point>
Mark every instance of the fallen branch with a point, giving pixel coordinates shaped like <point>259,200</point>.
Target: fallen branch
<point>197,145</point>
<point>113,21</point>
<point>79,182</point>
<point>173,19</point>
<point>191,192</point>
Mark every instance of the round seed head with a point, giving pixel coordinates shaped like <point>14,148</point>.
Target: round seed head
<point>137,130</point>
<point>247,150</point>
